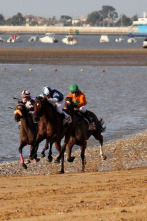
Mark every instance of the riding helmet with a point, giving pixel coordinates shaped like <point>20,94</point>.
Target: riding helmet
<point>74,88</point>
<point>25,93</point>
<point>46,91</point>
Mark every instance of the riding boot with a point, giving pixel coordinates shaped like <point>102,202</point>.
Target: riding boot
<point>88,117</point>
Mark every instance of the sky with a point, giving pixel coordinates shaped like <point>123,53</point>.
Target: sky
<point>73,8</point>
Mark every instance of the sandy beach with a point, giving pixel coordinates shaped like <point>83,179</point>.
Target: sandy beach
<point>115,189</point>
<point>112,189</point>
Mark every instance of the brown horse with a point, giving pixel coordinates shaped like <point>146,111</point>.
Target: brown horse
<point>82,132</point>
<point>28,130</point>
<point>50,126</point>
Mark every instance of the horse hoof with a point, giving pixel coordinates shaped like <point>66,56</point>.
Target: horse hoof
<point>28,161</point>
<point>24,166</point>
<point>103,157</point>
<point>61,171</point>
<point>30,158</point>
<point>42,155</point>
<point>71,159</point>
<point>50,159</point>
<point>37,160</point>
<point>57,161</point>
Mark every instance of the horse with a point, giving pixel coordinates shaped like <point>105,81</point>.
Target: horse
<point>82,132</point>
<point>28,130</point>
<point>50,127</point>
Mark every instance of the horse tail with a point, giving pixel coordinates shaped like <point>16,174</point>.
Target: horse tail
<point>100,125</point>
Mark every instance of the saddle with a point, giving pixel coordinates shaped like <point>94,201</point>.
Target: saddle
<point>89,119</point>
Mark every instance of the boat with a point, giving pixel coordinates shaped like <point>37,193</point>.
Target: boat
<point>48,38</point>
<point>33,38</point>
<point>119,39</point>
<point>70,40</point>
<point>131,40</point>
<point>144,43</point>
<point>104,39</point>
<point>13,39</point>
<point>1,40</point>
<point>140,27</point>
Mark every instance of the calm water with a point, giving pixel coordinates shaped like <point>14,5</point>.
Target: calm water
<point>118,95</point>
<point>84,42</point>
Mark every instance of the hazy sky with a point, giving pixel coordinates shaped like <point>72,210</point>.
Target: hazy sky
<point>74,8</point>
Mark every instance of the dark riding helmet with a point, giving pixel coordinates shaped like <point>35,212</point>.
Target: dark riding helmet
<point>74,88</point>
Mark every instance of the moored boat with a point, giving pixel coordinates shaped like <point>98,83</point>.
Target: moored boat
<point>13,39</point>
<point>104,39</point>
<point>48,38</point>
<point>33,38</point>
<point>70,40</point>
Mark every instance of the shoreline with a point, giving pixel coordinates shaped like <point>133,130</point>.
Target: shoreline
<point>118,152</point>
<point>98,57</point>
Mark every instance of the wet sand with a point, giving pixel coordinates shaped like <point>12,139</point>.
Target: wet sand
<point>99,57</point>
<point>114,189</point>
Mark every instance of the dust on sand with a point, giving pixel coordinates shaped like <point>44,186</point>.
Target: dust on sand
<point>108,190</point>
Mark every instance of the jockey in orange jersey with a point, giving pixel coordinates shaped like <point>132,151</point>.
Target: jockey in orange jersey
<point>80,100</point>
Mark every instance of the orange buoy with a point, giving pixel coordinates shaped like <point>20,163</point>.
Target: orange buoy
<point>4,69</point>
<point>55,69</point>
<point>103,70</point>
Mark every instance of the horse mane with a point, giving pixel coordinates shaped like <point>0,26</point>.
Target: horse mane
<point>48,104</point>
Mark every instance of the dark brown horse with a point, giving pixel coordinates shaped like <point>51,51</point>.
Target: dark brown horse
<point>82,131</point>
<point>50,126</point>
<point>28,129</point>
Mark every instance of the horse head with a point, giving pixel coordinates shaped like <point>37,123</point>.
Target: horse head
<point>39,106</point>
<point>69,104</point>
<point>20,110</point>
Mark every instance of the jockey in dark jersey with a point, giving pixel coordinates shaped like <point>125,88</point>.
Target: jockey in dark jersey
<point>56,98</point>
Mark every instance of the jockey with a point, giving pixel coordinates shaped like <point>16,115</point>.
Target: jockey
<point>28,100</point>
<point>80,100</point>
<point>56,98</point>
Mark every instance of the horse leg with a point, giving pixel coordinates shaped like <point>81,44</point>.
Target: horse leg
<point>83,147</point>
<point>62,164</point>
<point>44,149</point>
<point>69,149</point>
<point>21,156</point>
<point>35,147</point>
<point>50,158</point>
<point>99,137</point>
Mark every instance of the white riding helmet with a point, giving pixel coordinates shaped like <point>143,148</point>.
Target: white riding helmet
<point>46,91</point>
<point>25,93</point>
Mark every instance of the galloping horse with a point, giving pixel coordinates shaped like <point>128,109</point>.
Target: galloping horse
<point>50,126</point>
<point>28,129</point>
<point>81,132</point>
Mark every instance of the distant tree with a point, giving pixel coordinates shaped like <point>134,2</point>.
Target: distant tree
<point>124,21</point>
<point>97,17</point>
<point>94,18</point>
<point>134,18</point>
<point>64,18</point>
<point>108,12</point>
<point>2,20</point>
<point>17,19</point>
<point>34,23</point>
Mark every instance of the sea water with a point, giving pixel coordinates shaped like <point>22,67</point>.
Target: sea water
<point>118,94</point>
